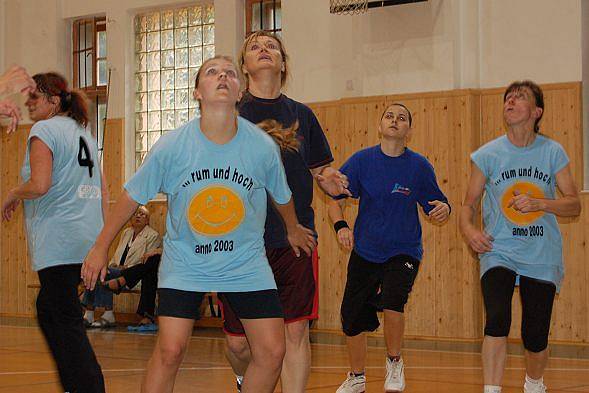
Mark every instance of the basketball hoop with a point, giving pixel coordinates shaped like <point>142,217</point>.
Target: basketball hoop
<point>348,7</point>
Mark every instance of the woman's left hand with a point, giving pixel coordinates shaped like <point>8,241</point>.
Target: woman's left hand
<point>9,206</point>
<point>524,203</point>
<point>333,182</point>
<point>440,212</point>
<point>94,267</point>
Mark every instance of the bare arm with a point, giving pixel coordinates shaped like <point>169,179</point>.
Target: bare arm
<point>96,261</point>
<point>345,236</point>
<point>41,163</point>
<point>568,205</point>
<point>478,240</point>
<point>331,181</point>
<point>299,237</point>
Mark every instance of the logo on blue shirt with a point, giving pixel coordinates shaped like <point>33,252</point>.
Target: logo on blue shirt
<point>399,188</point>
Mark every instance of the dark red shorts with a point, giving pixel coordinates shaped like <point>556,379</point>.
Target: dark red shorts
<point>296,281</point>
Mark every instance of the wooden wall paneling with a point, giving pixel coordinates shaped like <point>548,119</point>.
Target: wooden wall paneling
<point>114,156</point>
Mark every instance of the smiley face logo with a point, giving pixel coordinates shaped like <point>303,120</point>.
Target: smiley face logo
<point>215,210</point>
<point>516,217</point>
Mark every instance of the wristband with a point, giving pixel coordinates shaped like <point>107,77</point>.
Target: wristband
<point>339,225</point>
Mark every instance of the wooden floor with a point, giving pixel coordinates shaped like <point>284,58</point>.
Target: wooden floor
<point>26,366</point>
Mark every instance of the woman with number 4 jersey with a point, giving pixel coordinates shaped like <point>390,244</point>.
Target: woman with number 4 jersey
<point>64,199</point>
<point>518,174</point>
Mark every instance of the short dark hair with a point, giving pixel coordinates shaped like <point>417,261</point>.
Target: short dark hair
<point>536,91</point>
<point>402,106</point>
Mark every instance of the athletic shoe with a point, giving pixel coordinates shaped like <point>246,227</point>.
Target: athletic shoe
<point>395,378</point>
<point>534,387</point>
<point>353,384</point>
<point>238,381</point>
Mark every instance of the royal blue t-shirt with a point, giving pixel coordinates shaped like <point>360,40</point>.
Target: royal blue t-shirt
<point>313,150</point>
<point>389,189</point>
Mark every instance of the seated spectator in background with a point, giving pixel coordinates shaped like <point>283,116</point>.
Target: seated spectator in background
<point>145,272</point>
<point>135,242</point>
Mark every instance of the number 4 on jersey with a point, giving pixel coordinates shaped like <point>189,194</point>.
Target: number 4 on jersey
<point>86,158</point>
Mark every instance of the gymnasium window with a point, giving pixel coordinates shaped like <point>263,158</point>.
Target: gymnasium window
<point>263,15</point>
<point>170,46</point>
<point>90,72</point>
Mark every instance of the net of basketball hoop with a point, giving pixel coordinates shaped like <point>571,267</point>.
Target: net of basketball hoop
<point>348,7</point>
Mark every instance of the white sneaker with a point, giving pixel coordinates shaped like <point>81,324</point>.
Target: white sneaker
<point>534,387</point>
<point>395,378</point>
<point>353,384</point>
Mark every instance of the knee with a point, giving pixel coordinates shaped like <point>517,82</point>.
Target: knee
<point>498,322</point>
<point>297,333</point>
<point>270,355</point>
<point>238,346</point>
<point>535,338</point>
<point>171,354</point>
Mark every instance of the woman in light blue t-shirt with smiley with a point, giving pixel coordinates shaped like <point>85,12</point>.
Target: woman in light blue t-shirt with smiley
<point>520,243</point>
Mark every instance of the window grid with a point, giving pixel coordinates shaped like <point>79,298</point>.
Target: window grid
<point>170,47</point>
<point>263,15</point>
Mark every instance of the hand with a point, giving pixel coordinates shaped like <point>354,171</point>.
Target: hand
<point>479,241</point>
<point>11,110</point>
<point>440,212</point>
<point>333,182</point>
<point>524,203</point>
<point>147,255</point>
<point>301,237</point>
<point>94,267</point>
<point>16,80</point>
<point>9,206</point>
<point>345,237</point>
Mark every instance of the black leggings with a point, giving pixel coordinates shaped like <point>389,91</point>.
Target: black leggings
<point>147,274</point>
<point>60,317</point>
<point>537,298</point>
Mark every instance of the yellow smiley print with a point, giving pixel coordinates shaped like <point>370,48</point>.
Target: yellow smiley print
<point>515,216</point>
<point>215,210</point>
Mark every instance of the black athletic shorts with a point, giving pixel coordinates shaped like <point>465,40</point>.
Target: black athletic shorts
<point>371,287</point>
<point>247,305</point>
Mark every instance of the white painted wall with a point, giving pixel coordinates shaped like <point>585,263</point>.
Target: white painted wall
<point>435,45</point>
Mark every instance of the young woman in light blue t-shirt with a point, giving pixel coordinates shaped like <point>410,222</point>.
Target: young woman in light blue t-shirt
<point>518,174</point>
<point>215,171</point>
<point>62,191</point>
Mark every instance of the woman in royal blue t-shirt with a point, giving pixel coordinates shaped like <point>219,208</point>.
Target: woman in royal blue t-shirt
<point>390,180</point>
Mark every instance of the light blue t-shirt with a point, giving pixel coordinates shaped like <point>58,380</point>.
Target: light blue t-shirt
<point>214,237</point>
<point>63,224</point>
<point>528,243</point>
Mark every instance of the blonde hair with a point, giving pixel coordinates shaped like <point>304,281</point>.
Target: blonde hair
<point>285,138</point>
<point>202,67</point>
<point>253,37</point>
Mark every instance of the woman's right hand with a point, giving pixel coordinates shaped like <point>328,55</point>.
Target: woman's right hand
<point>149,254</point>
<point>94,266</point>
<point>345,237</point>
<point>481,242</point>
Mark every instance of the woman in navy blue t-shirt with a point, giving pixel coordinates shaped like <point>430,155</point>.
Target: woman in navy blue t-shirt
<point>390,180</point>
